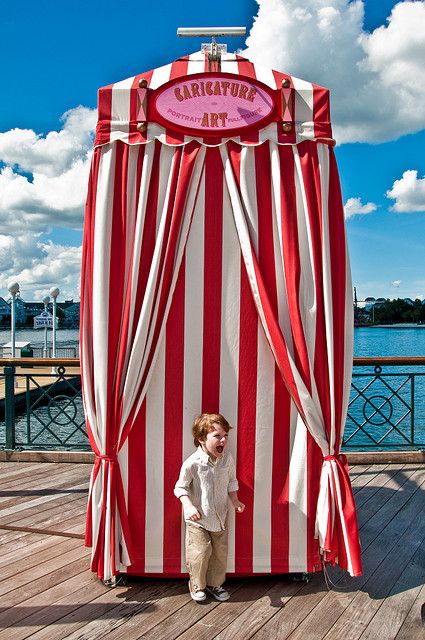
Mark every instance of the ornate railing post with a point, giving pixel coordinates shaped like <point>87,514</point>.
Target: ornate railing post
<point>9,405</point>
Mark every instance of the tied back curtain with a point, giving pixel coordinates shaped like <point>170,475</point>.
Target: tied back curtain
<point>286,208</point>
<point>302,293</point>
<point>137,220</point>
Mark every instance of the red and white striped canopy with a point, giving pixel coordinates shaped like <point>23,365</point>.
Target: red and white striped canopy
<point>216,279</point>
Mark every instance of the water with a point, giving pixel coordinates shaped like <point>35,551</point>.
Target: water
<point>389,341</point>
<point>368,342</point>
<point>64,337</point>
<point>388,398</point>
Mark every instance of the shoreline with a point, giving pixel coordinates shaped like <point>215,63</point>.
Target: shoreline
<point>400,325</point>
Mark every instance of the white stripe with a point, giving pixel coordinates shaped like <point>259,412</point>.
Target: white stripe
<point>323,156</point>
<point>297,493</point>
<point>249,193</point>
<point>303,109</point>
<point>196,63</point>
<point>138,236</point>
<point>107,551</point>
<point>154,533</point>
<point>263,472</point>
<point>297,473</point>
<point>193,330</point>
<point>229,63</point>
<point>229,346</point>
<point>120,109</point>
<point>101,266</point>
<point>265,75</point>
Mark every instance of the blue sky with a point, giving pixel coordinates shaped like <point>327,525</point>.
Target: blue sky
<point>370,54</point>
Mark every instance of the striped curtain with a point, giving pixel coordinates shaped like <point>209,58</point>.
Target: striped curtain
<point>216,279</point>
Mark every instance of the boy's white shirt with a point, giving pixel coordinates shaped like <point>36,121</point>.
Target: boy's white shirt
<point>208,485</point>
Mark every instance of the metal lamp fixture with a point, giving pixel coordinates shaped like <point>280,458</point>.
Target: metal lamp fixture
<point>46,301</point>
<point>213,49</point>
<point>13,290</point>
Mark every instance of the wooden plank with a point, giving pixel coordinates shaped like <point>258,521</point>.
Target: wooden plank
<point>353,621</point>
<point>368,476</point>
<point>391,508</point>
<point>32,566</point>
<point>34,573</point>
<point>373,503</point>
<point>413,628</point>
<point>116,605</point>
<point>21,620</point>
<point>393,611</point>
<point>316,622</point>
<point>287,619</point>
<point>365,493</point>
<point>33,543</point>
<point>275,593</point>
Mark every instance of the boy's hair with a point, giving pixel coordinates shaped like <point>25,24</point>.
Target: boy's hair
<point>204,423</point>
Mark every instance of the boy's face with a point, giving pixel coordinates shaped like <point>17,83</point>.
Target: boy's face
<point>215,442</point>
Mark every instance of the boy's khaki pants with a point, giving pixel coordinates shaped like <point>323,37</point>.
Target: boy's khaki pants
<point>206,556</point>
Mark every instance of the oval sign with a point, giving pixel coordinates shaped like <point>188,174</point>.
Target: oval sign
<point>214,103</point>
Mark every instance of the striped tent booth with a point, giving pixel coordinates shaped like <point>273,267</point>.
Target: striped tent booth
<point>216,279</point>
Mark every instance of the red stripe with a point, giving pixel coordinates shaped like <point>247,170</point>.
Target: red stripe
<point>173,425</point>
<point>290,241</point>
<point>103,128</point>
<point>339,267</point>
<point>137,486</point>
<point>321,113</point>
<point>313,189</point>
<point>247,400</point>
<point>178,69</point>
<point>282,404</point>
<point>116,283</point>
<point>246,68</point>
<point>213,237</point>
<point>149,230</point>
<point>135,136</point>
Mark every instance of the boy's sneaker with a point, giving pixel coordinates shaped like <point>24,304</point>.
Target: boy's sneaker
<point>218,593</point>
<point>196,593</point>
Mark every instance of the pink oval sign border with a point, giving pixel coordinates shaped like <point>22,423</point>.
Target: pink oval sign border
<point>213,104</point>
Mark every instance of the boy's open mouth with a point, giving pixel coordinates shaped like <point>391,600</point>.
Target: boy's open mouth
<point>219,449</point>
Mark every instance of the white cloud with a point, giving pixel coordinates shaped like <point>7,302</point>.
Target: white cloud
<point>38,266</point>
<point>377,79</point>
<point>396,283</point>
<point>44,182</point>
<point>354,206</point>
<point>55,153</point>
<point>408,193</point>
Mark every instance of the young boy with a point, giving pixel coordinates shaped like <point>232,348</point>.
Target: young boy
<point>207,481</point>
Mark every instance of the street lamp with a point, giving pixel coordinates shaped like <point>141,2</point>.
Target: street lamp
<point>46,301</point>
<point>14,290</point>
<point>54,292</point>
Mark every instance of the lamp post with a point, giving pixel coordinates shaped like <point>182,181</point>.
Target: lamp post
<point>13,289</point>
<point>46,301</point>
<point>54,292</point>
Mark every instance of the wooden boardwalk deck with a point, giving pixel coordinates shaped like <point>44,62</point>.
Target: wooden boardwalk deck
<point>47,591</point>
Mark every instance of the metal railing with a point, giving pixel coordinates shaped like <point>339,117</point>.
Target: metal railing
<point>41,405</point>
<point>387,404</point>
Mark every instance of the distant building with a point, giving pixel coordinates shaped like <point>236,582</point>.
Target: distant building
<point>4,312</point>
<point>71,311</point>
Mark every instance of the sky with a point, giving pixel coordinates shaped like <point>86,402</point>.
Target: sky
<point>370,54</point>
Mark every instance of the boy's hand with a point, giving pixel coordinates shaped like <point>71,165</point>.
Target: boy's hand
<point>191,513</point>
<point>239,506</point>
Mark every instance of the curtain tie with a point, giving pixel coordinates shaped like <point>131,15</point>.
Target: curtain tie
<point>338,457</point>
<point>108,458</point>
